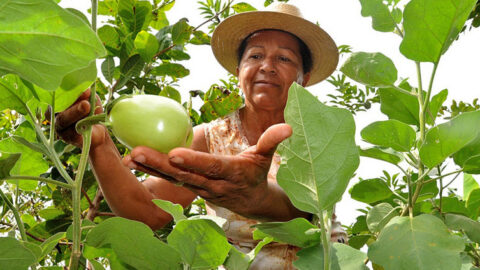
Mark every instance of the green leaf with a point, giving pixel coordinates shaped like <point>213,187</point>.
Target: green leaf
<point>435,105</point>
<point>292,232</point>
<point>108,67</point>
<point>134,244</point>
<point>448,138</point>
<point>200,38</point>
<point>422,242</point>
<point>172,93</point>
<point>468,154</point>
<point>178,54</point>
<point>34,248</point>
<point>159,20</point>
<point>453,205</point>
<point>431,26</point>
<point>370,191</point>
<point>358,241</point>
<point>238,260</point>
<point>473,203</point>
<point>14,255</point>
<point>243,7</point>
<point>92,253</point>
<point>14,94</point>
<point>131,68</point>
<point>382,19</point>
<point>43,53</point>
<point>342,257</point>
<point>390,133</point>
<point>135,15</point>
<point>322,148</point>
<point>387,155</point>
<point>50,213</point>
<point>147,45</point>
<point>218,103</point>
<point>173,70</point>
<point>373,69</point>
<point>469,226</point>
<point>96,265</point>
<point>108,7</point>
<point>110,38</point>
<point>469,185</point>
<point>50,243</point>
<point>181,32</point>
<point>360,225</point>
<point>379,216</point>
<point>176,210</point>
<point>398,105</point>
<point>201,243</point>
<point>7,162</point>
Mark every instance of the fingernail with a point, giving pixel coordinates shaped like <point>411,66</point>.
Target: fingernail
<point>132,165</point>
<point>176,159</point>
<point>140,158</point>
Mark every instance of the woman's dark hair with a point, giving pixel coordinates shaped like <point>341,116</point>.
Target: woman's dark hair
<point>304,50</point>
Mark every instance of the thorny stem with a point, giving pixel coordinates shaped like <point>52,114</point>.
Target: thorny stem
<point>10,205</point>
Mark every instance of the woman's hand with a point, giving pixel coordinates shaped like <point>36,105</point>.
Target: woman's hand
<point>65,122</point>
<point>238,183</point>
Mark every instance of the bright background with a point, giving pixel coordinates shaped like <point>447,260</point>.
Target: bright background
<point>458,70</point>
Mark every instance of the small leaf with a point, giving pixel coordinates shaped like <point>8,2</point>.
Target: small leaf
<point>135,15</point>
<point>468,154</point>
<point>172,93</point>
<point>176,210</point>
<point>448,138</point>
<point>173,70</point>
<point>159,20</point>
<point>382,19</point>
<point>342,257</point>
<point>317,152</point>
<point>7,162</point>
<point>201,243</point>
<point>431,26</point>
<point>471,227</point>
<point>390,133</point>
<point>147,45</point>
<point>131,68</point>
<point>14,94</point>
<point>292,232</point>
<point>387,155</point>
<point>181,32</point>
<point>218,103</point>
<point>473,203</point>
<point>469,185</point>
<point>14,255</point>
<point>379,216</point>
<point>435,105</point>
<point>110,38</point>
<point>370,191</point>
<point>108,67</point>
<point>200,38</point>
<point>398,105</point>
<point>453,205</point>
<point>372,69</point>
<point>243,7</point>
<point>422,242</point>
<point>50,243</point>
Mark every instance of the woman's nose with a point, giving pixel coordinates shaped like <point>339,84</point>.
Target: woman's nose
<point>268,65</point>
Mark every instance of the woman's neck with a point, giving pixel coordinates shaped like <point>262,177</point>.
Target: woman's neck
<point>255,122</point>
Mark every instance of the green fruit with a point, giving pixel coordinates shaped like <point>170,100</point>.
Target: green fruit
<point>154,121</point>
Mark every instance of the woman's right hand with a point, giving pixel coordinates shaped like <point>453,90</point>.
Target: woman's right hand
<point>65,122</point>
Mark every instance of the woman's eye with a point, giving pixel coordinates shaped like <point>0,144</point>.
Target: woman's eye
<point>284,59</point>
<point>255,56</point>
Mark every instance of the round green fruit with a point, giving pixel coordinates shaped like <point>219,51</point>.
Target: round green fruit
<point>154,121</point>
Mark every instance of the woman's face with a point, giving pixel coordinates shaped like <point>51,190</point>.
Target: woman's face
<point>269,65</point>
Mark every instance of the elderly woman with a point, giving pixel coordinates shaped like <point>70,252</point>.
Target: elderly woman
<point>232,162</point>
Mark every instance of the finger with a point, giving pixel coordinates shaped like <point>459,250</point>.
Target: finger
<point>212,166</point>
<point>71,115</point>
<point>274,135</point>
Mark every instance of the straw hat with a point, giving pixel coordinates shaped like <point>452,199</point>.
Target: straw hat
<point>230,33</point>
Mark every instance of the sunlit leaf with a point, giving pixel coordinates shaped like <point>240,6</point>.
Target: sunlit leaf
<point>382,19</point>
<point>473,203</point>
<point>7,162</point>
<point>373,69</point>
<point>322,148</point>
<point>181,32</point>
<point>448,138</point>
<point>172,93</point>
<point>200,38</point>
<point>387,155</point>
<point>431,26</point>
<point>110,38</point>
<point>435,105</point>
<point>218,103</point>
<point>243,7</point>
<point>390,133</point>
<point>43,53</point>
<point>398,105</point>
<point>342,257</point>
<point>135,15</point>
<point>370,191</point>
<point>173,70</point>
<point>469,185</point>
<point>422,242</point>
<point>147,45</point>
<point>292,232</point>
<point>159,20</point>
<point>14,94</point>
<point>176,210</point>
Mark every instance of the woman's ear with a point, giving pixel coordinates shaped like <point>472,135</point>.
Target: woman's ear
<point>306,78</point>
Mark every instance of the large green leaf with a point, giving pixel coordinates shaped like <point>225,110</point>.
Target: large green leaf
<point>387,155</point>
<point>431,26</point>
<point>373,69</point>
<point>134,244</point>
<point>50,243</point>
<point>379,216</point>
<point>43,53</point>
<point>370,191</point>
<point>473,203</point>
<point>469,151</point>
<point>448,138</point>
<point>176,210</point>
<point>390,133</point>
<point>135,15</point>
<point>320,157</point>
<point>181,32</point>
<point>292,232</point>
<point>110,38</point>
<point>422,242</point>
<point>147,45</point>
<point>342,257</point>
<point>108,253</point>
<point>7,162</point>
<point>14,94</point>
<point>470,226</point>
<point>382,19</point>
<point>201,243</point>
<point>469,185</point>
<point>398,105</point>
<point>173,70</point>
<point>14,255</point>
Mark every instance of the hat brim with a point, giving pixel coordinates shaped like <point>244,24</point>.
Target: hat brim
<point>232,31</point>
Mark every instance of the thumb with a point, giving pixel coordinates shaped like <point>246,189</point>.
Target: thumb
<point>274,135</point>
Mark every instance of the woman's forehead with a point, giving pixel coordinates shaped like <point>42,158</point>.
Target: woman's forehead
<point>280,38</point>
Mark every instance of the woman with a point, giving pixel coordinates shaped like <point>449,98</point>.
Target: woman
<point>232,161</point>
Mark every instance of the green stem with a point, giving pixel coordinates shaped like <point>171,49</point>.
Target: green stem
<point>430,86</point>
<point>403,91</point>
<point>325,237</point>
<point>40,179</point>
<point>447,174</point>
<point>10,205</point>
<point>52,122</point>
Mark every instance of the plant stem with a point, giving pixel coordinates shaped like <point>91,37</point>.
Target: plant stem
<point>52,122</point>
<point>325,237</point>
<point>40,179</point>
<point>430,86</point>
<point>20,225</point>
<point>447,174</point>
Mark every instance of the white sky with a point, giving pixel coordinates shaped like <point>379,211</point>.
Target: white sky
<point>343,21</point>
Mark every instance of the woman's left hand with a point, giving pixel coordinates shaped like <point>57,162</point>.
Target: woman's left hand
<point>238,183</point>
